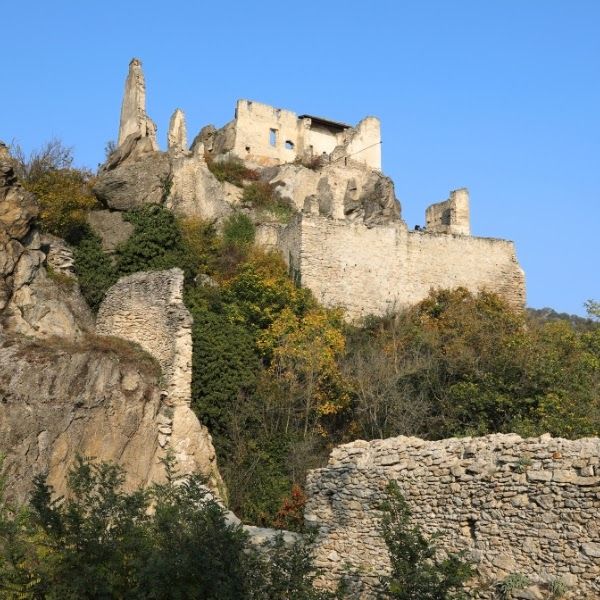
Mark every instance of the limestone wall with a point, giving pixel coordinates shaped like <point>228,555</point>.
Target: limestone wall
<point>450,216</point>
<point>268,136</point>
<point>148,309</point>
<point>529,506</point>
<point>376,269</point>
<point>254,122</point>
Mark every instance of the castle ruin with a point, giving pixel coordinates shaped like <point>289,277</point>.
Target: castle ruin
<point>347,241</point>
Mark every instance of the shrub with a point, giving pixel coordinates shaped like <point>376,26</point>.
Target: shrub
<point>232,170</point>
<point>224,365</point>
<point>95,270</point>
<point>155,244</point>
<point>238,231</point>
<point>417,572</point>
<point>65,197</point>
<point>263,196</point>
<point>103,542</point>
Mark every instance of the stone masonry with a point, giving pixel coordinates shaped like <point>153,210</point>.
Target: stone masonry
<point>529,506</point>
<point>148,309</point>
<point>381,268</point>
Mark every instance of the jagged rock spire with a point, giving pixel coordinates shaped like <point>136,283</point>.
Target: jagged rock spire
<point>133,110</point>
<point>177,136</point>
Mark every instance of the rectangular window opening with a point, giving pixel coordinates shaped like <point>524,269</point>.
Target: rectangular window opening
<point>273,137</point>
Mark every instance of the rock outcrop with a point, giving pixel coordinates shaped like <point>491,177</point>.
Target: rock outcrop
<point>335,190</point>
<point>177,135</point>
<point>135,181</point>
<point>134,119</point>
<point>31,301</point>
<point>101,398</point>
<point>529,506</point>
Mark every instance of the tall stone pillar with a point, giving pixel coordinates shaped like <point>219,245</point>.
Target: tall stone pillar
<point>177,136</point>
<point>133,110</point>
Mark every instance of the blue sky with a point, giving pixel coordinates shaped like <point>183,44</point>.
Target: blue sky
<point>500,96</point>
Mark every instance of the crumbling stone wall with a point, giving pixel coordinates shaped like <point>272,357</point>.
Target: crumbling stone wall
<point>529,506</point>
<point>450,216</point>
<point>374,269</point>
<point>147,308</point>
<point>266,135</point>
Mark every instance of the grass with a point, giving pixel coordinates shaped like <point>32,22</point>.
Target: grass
<point>232,170</point>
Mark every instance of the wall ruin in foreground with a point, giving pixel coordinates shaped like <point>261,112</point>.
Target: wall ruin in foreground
<point>381,268</point>
<point>529,506</point>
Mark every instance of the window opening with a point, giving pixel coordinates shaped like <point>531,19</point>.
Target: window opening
<point>289,145</point>
<point>273,137</point>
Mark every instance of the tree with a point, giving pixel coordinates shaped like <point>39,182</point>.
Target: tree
<point>593,309</point>
<point>417,571</point>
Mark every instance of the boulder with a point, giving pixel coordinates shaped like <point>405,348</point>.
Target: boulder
<point>135,181</point>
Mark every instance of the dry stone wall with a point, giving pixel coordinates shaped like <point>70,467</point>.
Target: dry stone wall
<point>380,268</point>
<point>529,506</point>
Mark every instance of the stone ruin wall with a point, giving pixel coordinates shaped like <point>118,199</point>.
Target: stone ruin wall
<point>377,269</point>
<point>148,309</point>
<point>529,506</point>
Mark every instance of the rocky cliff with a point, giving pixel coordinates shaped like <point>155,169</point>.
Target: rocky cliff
<point>65,390</point>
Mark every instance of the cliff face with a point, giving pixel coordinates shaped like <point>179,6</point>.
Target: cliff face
<point>60,398</point>
<point>65,391</point>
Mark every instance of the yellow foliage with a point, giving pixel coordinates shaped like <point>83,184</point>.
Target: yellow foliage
<point>304,352</point>
<point>65,197</point>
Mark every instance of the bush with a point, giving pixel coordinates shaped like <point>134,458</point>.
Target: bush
<point>65,197</point>
<point>224,365</point>
<point>263,196</point>
<point>417,571</point>
<point>238,231</point>
<point>102,542</point>
<point>95,270</point>
<point>232,170</point>
<point>155,244</point>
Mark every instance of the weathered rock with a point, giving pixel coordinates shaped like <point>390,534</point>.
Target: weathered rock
<point>111,227</point>
<point>134,147</point>
<point>195,191</point>
<point>31,302</point>
<point>134,119</point>
<point>147,309</point>
<point>100,398</point>
<point>177,135</point>
<point>135,182</point>
<point>341,192</point>
<point>59,255</point>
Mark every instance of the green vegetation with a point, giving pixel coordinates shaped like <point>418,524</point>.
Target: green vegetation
<point>103,542</point>
<point>232,170</point>
<point>263,196</point>
<point>64,192</point>
<point>417,571</point>
<point>238,231</point>
<point>279,380</point>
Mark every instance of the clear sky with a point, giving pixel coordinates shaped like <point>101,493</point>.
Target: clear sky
<point>500,96</point>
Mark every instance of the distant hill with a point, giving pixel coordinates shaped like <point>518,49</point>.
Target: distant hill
<point>546,314</point>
